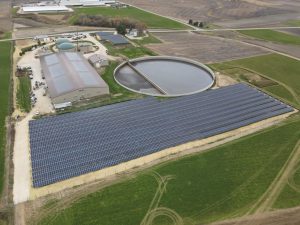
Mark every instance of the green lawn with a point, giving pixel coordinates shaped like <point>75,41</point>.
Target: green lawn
<point>23,94</point>
<point>282,92</point>
<point>272,35</point>
<point>282,69</point>
<point>114,87</point>
<point>5,69</point>
<point>221,183</point>
<point>148,40</point>
<point>151,20</point>
<point>295,23</point>
<point>128,51</point>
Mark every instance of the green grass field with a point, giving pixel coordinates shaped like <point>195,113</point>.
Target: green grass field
<point>151,20</point>
<point>221,183</point>
<point>128,51</point>
<point>148,40</point>
<point>5,67</point>
<point>284,70</point>
<point>23,94</point>
<point>295,23</point>
<point>272,35</point>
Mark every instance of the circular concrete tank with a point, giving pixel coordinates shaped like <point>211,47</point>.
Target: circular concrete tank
<point>164,76</point>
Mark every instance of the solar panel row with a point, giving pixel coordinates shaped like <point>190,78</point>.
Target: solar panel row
<point>77,143</point>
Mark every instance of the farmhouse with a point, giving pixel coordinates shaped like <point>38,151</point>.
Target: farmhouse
<point>71,78</point>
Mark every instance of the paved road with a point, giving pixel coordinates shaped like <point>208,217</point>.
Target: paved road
<point>165,31</point>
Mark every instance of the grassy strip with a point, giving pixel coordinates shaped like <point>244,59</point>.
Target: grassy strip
<point>5,68</point>
<point>279,68</point>
<point>294,23</point>
<point>23,93</point>
<point>150,19</point>
<point>128,51</point>
<point>206,187</point>
<point>272,35</point>
<point>108,77</point>
<point>148,40</point>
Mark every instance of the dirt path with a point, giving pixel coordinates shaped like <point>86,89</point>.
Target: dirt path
<point>280,181</point>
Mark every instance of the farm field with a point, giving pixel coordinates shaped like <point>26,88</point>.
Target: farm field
<point>273,36</point>
<point>214,10</point>
<point>5,66</point>
<point>203,48</point>
<point>192,194</point>
<point>283,70</point>
<point>151,20</point>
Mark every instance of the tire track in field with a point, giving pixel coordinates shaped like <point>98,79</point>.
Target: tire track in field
<point>154,210</point>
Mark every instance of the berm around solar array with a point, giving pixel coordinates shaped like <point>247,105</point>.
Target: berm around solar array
<point>74,144</point>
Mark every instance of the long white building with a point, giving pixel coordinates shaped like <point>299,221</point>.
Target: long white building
<point>44,9</point>
<point>85,2</point>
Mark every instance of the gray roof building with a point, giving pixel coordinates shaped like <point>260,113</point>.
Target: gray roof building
<point>115,39</point>
<point>70,77</point>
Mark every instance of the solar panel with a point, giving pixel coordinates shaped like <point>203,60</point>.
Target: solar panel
<point>77,143</point>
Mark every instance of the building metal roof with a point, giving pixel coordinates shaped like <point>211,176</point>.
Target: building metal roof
<point>77,143</point>
<point>105,33</point>
<point>69,71</point>
<point>45,8</point>
<point>115,39</point>
<point>97,58</point>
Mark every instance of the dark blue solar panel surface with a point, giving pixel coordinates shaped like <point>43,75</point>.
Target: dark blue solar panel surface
<point>77,143</point>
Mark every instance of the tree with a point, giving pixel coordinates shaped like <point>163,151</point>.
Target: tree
<point>121,29</point>
<point>190,21</point>
<point>201,24</point>
<point>196,24</point>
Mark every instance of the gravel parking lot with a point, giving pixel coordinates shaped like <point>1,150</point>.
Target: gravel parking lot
<point>21,157</point>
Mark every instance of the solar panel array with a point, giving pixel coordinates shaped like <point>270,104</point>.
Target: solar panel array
<point>73,144</point>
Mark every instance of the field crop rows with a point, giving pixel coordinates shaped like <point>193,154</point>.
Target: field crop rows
<point>203,48</point>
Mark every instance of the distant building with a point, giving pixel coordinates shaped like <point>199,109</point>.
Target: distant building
<point>44,9</point>
<point>71,78</point>
<point>98,60</point>
<point>43,38</point>
<point>85,2</point>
